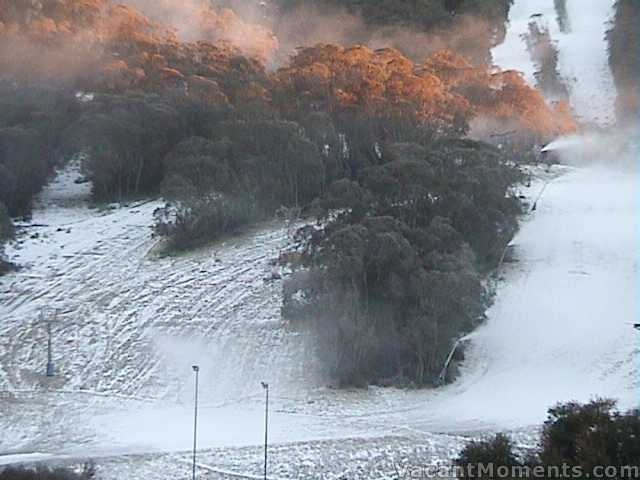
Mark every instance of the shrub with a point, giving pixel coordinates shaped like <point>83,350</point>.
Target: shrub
<point>197,220</point>
<point>202,164</point>
<point>495,452</point>
<point>577,437</point>
<point>275,161</point>
<point>6,224</point>
<point>589,435</point>
<point>381,308</point>
<point>46,473</point>
<point>23,167</point>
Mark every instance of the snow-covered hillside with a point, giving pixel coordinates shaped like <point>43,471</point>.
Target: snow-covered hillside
<point>131,324</point>
<point>583,57</point>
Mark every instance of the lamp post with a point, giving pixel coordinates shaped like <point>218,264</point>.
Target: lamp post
<point>49,318</point>
<point>636,326</point>
<point>196,369</point>
<point>50,369</point>
<point>266,425</point>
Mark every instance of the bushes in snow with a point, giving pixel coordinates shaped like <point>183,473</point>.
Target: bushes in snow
<point>590,435</point>
<point>196,220</point>
<point>125,138</point>
<point>578,437</point>
<point>46,473</point>
<point>497,451</point>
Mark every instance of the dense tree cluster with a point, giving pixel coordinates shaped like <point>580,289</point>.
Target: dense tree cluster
<point>245,169</point>
<point>329,77</point>
<point>393,277</point>
<point>149,90</point>
<point>31,124</point>
<point>445,89</point>
<point>624,59</point>
<point>544,54</point>
<point>575,439</point>
<point>102,45</point>
<point>425,14</point>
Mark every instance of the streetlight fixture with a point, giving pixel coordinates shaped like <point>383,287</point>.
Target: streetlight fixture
<point>636,326</point>
<point>266,425</point>
<point>196,369</point>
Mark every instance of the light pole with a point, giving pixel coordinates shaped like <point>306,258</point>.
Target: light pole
<point>266,425</point>
<point>196,369</point>
<point>50,372</point>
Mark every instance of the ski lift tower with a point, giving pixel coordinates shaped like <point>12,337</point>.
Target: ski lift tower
<point>49,316</point>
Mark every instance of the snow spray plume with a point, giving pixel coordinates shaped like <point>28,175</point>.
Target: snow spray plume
<point>608,148</point>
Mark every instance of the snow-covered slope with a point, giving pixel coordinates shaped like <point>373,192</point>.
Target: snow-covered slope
<point>132,324</point>
<point>562,325</point>
<point>583,59</point>
<point>129,324</point>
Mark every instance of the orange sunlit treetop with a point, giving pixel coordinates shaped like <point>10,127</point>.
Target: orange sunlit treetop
<point>217,57</point>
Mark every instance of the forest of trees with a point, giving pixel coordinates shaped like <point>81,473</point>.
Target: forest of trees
<point>393,279</point>
<point>624,59</point>
<point>371,140</point>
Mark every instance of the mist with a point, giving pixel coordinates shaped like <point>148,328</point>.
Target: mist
<point>611,148</point>
<point>197,20</point>
<point>274,36</point>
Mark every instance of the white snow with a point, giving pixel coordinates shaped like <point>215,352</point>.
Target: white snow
<point>23,458</point>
